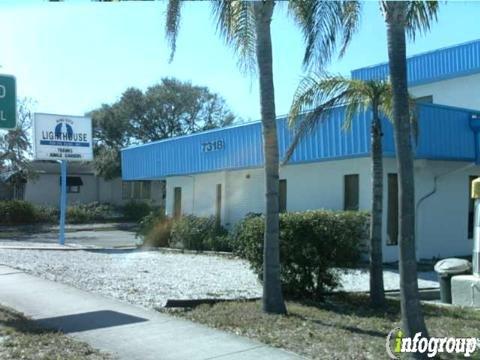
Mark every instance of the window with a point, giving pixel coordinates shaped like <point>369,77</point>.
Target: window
<point>424,99</point>
<point>73,189</point>
<point>218,205</point>
<point>471,207</point>
<point>350,198</point>
<point>177,202</point>
<point>392,210</point>
<point>136,190</point>
<point>73,184</point>
<point>282,196</point>
<point>19,190</point>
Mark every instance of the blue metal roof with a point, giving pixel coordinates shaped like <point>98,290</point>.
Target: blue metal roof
<point>441,64</point>
<point>445,133</point>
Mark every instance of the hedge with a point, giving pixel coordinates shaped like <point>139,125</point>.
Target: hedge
<point>312,245</point>
<point>13,212</point>
<point>16,212</point>
<point>199,233</point>
<point>136,210</point>
<point>188,232</point>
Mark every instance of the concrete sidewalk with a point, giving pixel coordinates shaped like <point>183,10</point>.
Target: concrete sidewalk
<point>124,330</point>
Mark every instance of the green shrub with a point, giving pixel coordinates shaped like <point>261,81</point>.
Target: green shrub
<point>136,210</point>
<point>46,214</point>
<point>312,244</point>
<point>155,229</point>
<point>16,212</point>
<point>78,215</point>
<point>22,212</point>
<point>98,212</point>
<point>197,233</point>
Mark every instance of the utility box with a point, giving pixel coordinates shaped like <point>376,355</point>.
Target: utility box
<point>476,229</point>
<point>446,269</point>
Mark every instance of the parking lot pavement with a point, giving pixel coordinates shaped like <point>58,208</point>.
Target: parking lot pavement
<point>100,238</point>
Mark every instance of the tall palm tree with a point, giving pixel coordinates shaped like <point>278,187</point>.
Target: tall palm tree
<point>245,25</point>
<point>405,17</point>
<point>315,97</point>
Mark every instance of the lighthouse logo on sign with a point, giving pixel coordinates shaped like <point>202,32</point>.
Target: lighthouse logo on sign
<point>63,137</point>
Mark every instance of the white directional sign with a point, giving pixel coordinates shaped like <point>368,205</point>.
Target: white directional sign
<point>63,137</point>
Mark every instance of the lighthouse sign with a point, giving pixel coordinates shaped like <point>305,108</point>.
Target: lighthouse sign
<point>63,137</point>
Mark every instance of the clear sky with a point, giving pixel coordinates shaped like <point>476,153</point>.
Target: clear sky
<point>71,57</point>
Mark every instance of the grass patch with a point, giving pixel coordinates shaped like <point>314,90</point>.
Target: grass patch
<point>20,338</point>
<point>343,326</point>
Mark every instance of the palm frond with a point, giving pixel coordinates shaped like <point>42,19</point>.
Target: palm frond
<point>386,107</point>
<point>173,24</point>
<point>236,24</point>
<point>325,24</point>
<point>315,96</point>
<point>420,15</point>
<point>351,12</point>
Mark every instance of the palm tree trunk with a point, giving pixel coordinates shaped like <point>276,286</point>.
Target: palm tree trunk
<point>272,290</point>
<point>412,317</point>
<point>377,293</point>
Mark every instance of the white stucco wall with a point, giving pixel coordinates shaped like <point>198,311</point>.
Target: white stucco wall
<point>45,190</point>
<point>441,219</point>
<point>309,186</point>
<point>460,91</point>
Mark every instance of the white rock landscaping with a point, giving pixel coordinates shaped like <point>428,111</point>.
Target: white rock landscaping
<point>150,278</point>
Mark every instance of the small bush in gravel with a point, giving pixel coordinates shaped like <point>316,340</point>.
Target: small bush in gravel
<point>312,244</point>
<point>136,210</point>
<point>197,233</point>
<point>16,212</point>
<point>155,229</point>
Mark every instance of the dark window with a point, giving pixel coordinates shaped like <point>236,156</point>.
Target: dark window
<point>177,202</point>
<point>392,211</point>
<point>218,205</point>
<point>425,99</point>
<point>350,192</point>
<point>471,207</point>
<point>282,196</point>
<point>73,184</point>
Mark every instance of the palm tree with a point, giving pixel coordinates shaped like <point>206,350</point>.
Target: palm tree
<point>319,94</point>
<point>322,92</point>
<point>245,25</point>
<point>404,17</point>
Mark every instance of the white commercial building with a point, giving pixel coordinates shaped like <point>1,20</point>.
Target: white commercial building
<point>220,172</point>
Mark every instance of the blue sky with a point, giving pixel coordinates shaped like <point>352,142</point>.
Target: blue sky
<point>72,57</point>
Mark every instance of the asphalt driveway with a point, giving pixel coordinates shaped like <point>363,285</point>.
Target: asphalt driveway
<point>105,237</point>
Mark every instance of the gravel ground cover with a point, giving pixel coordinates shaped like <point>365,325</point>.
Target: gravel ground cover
<point>145,278</point>
<point>150,278</point>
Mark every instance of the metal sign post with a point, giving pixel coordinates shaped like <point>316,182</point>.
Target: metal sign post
<point>62,138</point>
<point>63,201</point>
